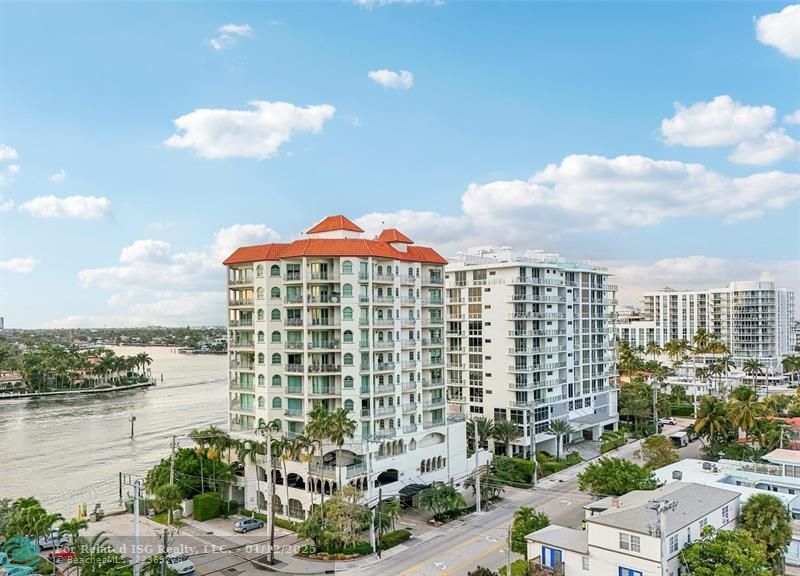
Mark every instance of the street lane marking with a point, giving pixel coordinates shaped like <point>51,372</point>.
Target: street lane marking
<point>474,559</point>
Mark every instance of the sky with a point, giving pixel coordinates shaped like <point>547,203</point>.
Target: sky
<point>140,143</point>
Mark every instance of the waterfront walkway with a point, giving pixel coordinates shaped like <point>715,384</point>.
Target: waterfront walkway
<point>25,395</point>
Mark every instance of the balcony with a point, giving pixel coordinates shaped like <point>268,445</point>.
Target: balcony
<point>385,433</point>
<point>409,387</point>
<point>245,323</point>
<point>240,281</point>
<point>293,413</point>
<point>332,471</point>
<point>365,413</point>
<point>242,365</point>
<point>242,345</point>
<point>406,301</point>
<point>384,389</point>
<point>385,411</point>
<point>408,364</point>
<point>434,382</point>
<point>409,408</point>
<point>432,362</point>
<point>326,345</point>
<point>239,407</point>
<point>433,424</point>
<point>326,322</point>
<point>383,321</point>
<point>294,390</point>
<point>409,428</point>
<point>433,301</point>
<point>383,278</point>
<point>383,344</point>
<point>432,321</point>
<point>293,276</point>
<point>383,300</point>
<point>240,302</point>
<point>293,345</point>
<point>293,322</point>
<point>325,391</point>
<point>404,279</point>
<point>237,385</point>
<point>437,280</point>
<point>324,368</point>
<point>433,403</point>
<point>409,343</point>
<point>383,367</point>
<point>295,368</point>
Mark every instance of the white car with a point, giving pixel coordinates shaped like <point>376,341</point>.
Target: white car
<point>53,541</point>
<point>180,563</point>
<point>669,420</point>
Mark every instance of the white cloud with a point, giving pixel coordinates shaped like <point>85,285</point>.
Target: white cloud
<point>8,168</point>
<point>18,265</point>
<point>154,283</point>
<point>390,79</point>
<point>585,193</point>
<point>228,34</point>
<point>257,133</point>
<point>772,147</point>
<point>5,205</point>
<point>688,272</point>
<point>721,122</point>
<point>70,207</point>
<point>780,30</point>
<point>793,118</point>
<point>7,153</point>
<point>58,177</point>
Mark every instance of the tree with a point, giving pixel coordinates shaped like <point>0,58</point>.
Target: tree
<point>73,528</point>
<point>725,553</point>
<point>526,520</point>
<point>652,349</point>
<point>712,421</point>
<point>615,477</point>
<point>485,430</point>
<point>442,500</point>
<point>657,451</point>
<point>481,571</point>
<point>769,522</point>
<point>340,428</point>
<point>559,428</point>
<point>613,439</point>
<point>753,367</point>
<point>744,409</point>
<point>168,497</point>
<point>318,429</point>
<point>337,523</point>
<point>391,509</point>
<point>505,432</point>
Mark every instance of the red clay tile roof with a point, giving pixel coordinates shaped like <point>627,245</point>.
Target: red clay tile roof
<point>255,253</point>
<point>334,247</point>
<point>332,223</point>
<point>394,235</point>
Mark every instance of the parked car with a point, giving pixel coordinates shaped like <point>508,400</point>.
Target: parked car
<point>180,563</point>
<point>669,420</point>
<point>61,555</point>
<point>53,541</point>
<point>247,524</point>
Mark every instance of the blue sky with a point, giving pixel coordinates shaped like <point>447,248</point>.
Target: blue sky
<point>536,124</point>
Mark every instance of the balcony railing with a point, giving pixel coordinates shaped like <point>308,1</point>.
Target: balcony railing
<point>382,278</point>
<point>240,323</point>
<point>292,276</point>
<point>385,410</point>
<point>298,299</point>
<point>293,322</point>
<point>409,408</point>
<point>384,389</point>
<point>409,386</point>
<point>238,407</point>
<point>293,412</point>
<point>434,382</point>
<point>292,345</point>
<point>409,428</point>
<point>385,433</point>
<point>319,368</point>
<point>325,391</point>
<point>240,281</point>
<point>433,403</point>
<point>295,368</point>
<point>327,345</point>
<point>241,302</point>
<point>295,390</point>
<point>433,362</point>
<point>433,424</point>
<point>241,365</point>
<point>383,366</point>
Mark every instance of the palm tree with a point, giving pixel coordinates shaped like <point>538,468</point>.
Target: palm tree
<point>73,528</point>
<point>791,365</point>
<point>724,366</point>
<point>637,408</point>
<point>711,418</point>
<point>317,429</point>
<point>677,350</point>
<point>505,432</point>
<point>744,409</point>
<point>652,349</point>
<point>768,519</point>
<point>753,367</point>
<point>441,499</point>
<point>392,509</point>
<point>485,430</point>
<point>341,427</point>
<point>701,340</point>
<point>559,428</point>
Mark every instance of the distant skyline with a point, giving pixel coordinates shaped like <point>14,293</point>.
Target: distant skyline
<point>140,143</point>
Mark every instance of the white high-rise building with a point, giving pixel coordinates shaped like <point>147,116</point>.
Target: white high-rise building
<point>341,321</point>
<point>753,319</point>
<point>529,336</point>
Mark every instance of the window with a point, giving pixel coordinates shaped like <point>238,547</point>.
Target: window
<point>347,291</point>
<point>276,402</point>
<point>628,572</point>
<point>275,314</point>
<point>276,358</point>
<point>725,515</point>
<point>347,267</point>
<point>585,563</point>
<point>276,380</point>
<point>261,358</point>
<point>276,336</point>
<point>348,381</point>
<point>703,522</point>
<point>259,270</point>
<point>673,543</point>
<point>348,336</point>
<point>261,402</point>
<point>260,314</point>
<point>348,359</point>
<point>260,337</point>
<point>348,405</point>
<point>260,294</point>
<point>275,292</point>
<point>261,380</point>
<point>347,313</point>
<point>275,270</point>
<point>629,542</point>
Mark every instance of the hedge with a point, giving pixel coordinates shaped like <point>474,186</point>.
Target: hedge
<point>683,410</point>
<point>206,506</point>
<point>279,522</point>
<point>391,539</point>
<point>362,548</point>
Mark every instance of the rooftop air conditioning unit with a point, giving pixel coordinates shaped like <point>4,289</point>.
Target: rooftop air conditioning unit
<point>677,475</point>
<point>707,465</point>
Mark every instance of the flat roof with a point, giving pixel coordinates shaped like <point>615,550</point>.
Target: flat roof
<point>561,537</point>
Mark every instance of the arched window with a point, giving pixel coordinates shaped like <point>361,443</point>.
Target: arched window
<point>260,337</point>
<point>410,271</point>
<point>276,336</point>
<point>276,402</point>
<point>348,359</point>
<point>276,358</point>
<point>380,292</point>
<point>347,267</point>
<point>275,270</point>
<point>380,358</point>
<point>261,358</point>
<point>275,314</point>
<point>260,314</point>
<point>380,314</point>
<point>347,313</point>
<point>391,379</point>
<point>259,270</point>
<point>261,380</point>
<point>380,336</point>
<point>276,380</point>
<point>348,336</point>
<point>348,405</point>
<point>410,293</point>
<point>348,381</point>
<point>275,292</point>
<point>347,290</point>
<point>380,270</point>
<point>260,294</point>
<point>261,402</point>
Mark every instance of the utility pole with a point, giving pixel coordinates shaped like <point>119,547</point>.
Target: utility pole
<point>655,408</point>
<point>270,495</point>
<point>164,558</point>
<point>369,496</point>
<point>661,507</point>
<point>530,416</point>
<point>132,419</point>
<point>477,472</point>
<point>508,552</point>
<point>137,488</point>
<point>172,463</point>
<point>380,497</point>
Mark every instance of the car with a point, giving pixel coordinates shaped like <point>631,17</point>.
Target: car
<point>669,420</point>
<point>180,563</point>
<point>54,540</point>
<point>61,555</point>
<point>246,524</point>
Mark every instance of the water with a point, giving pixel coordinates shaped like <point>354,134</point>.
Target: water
<point>70,450</point>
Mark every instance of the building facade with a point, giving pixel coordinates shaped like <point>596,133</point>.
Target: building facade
<point>341,321</point>
<point>753,319</point>
<point>529,340</point>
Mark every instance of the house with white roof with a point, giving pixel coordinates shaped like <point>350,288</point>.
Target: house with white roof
<point>635,534</point>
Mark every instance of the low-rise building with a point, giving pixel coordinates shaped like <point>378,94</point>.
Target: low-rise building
<point>635,534</point>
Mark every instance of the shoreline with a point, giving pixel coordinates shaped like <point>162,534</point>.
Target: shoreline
<point>28,395</point>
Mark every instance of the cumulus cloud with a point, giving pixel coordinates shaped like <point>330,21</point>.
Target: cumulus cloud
<point>774,146</point>
<point>70,207</point>
<point>693,272</point>
<point>793,118</point>
<point>8,166</point>
<point>228,34</point>
<point>18,265</point>
<point>390,79</point>
<point>58,177</point>
<point>256,133</point>
<point>7,152</point>
<point>5,205</point>
<point>721,122</point>
<point>154,283</point>
<point>780,30</point>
